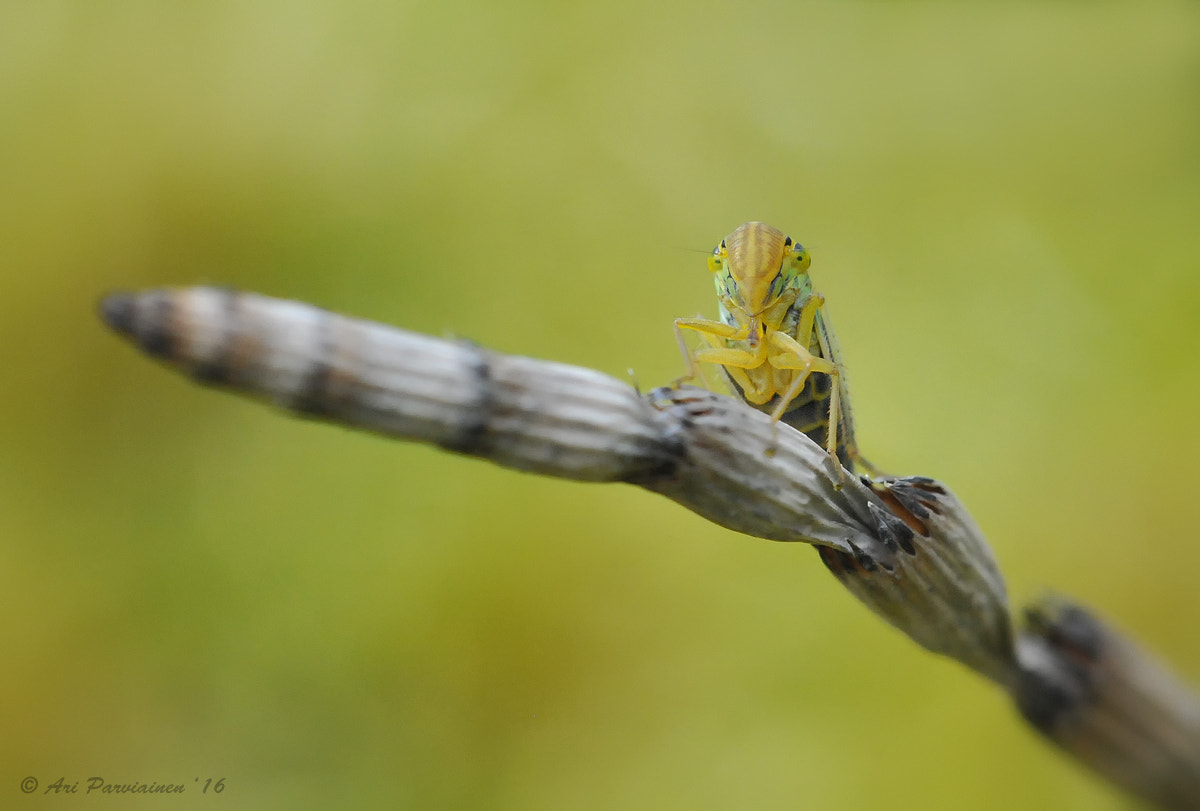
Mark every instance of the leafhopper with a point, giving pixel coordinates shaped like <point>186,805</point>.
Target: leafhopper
<point>773,341</point>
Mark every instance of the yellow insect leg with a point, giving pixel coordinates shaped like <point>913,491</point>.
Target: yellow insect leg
<point>706,328</point>
<point>735,361</point>
<point>794,355</point>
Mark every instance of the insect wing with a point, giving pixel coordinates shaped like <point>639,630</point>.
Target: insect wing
<point>830,350</point>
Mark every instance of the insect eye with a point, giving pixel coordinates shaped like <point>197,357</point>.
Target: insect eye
<point>800,257</point>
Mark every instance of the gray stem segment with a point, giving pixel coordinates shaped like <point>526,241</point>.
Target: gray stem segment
<point>907,548</point>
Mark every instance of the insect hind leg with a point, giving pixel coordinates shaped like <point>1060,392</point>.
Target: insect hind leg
<point>794,355</point>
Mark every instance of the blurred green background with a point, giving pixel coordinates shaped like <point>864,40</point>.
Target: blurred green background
<point>1001,201</point>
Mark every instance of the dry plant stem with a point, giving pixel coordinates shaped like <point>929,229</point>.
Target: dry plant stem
<point>1101,698</point>
<point>907,548</point>
<point>698,448</point>
<point>947,594</point>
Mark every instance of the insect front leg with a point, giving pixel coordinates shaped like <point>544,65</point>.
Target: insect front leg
<point>745,368</point>
<point>756,388</point>
<point>709,330</point>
